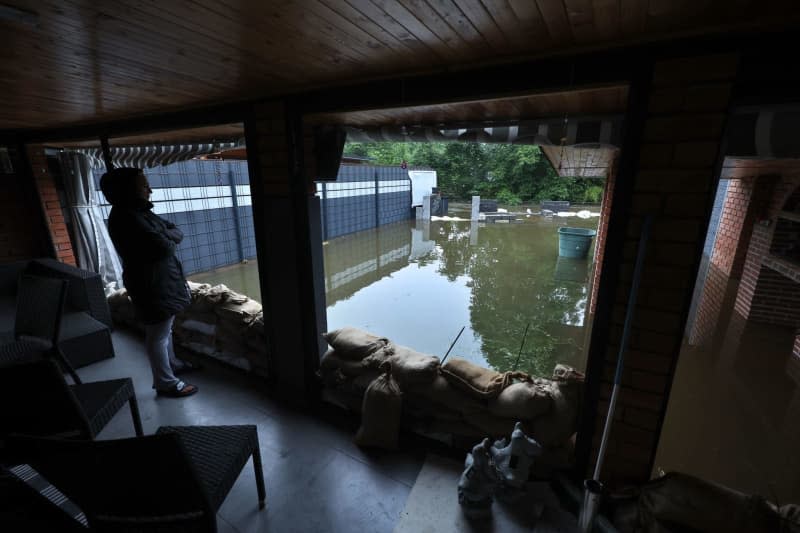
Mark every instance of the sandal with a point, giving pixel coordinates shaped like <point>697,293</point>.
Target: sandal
<point>179,390</point>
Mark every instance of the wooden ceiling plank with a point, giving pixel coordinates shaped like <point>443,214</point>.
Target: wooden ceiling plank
<point>370,27</point>
<point>503,15</point>
<point>461,24</point>
<point>391,26</point>
<point>633,16</point>
<point>132,30</point>
<point>532,23</point>
<point>418,29</point>
<point>483,22</point>
<point>554,13</point>
<point>581,18</point>
<point>607,18</point>
<point>268,35</point>
<point>436,24</point>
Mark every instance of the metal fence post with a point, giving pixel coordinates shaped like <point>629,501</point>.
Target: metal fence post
<point>377,201</point>
<point>236,221</point>
<point>324,215</point>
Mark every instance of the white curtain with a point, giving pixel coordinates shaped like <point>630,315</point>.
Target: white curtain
<point>93,247</point>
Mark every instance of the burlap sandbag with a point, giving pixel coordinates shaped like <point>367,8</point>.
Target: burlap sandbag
<point>380,413</point>
<point>475,380</point>
<point>411,368</point>
<point>439,393</point>
<point>523,401</point>
<point>331,362</point>
<point>679,502</point>
<point>354,344</point>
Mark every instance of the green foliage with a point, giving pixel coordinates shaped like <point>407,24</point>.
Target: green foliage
<point>510,173</point>
<point>507,197</point>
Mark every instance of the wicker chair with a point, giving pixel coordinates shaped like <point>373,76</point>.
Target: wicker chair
<point>35,399</point>
<point>175,480</point>
<point>37,326</point>
<point>30,505</point>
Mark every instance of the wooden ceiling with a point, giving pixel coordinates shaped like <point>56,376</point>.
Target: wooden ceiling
<point>67,62</point>
<point>596,101</point>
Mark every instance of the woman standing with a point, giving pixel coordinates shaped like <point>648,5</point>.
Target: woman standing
<point>152,274</point>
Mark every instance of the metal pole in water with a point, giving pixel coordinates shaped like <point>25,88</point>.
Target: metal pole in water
<point>453,343</point>
<point>522,345</point>
<point>593,487</point>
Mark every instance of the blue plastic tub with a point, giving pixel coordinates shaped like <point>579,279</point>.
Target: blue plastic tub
<point>575,242</point>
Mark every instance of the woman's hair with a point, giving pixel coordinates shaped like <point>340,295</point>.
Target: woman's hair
<point>119,184</point>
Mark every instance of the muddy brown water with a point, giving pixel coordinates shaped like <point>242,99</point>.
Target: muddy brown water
<point>419,283</point>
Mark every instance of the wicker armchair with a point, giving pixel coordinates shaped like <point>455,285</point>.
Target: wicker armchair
<point>28,505</point>
<point>37,326</point>
<point>35,399</point>
<point>175,480</point>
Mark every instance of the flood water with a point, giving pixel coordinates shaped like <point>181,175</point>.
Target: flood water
<point>420,283</point>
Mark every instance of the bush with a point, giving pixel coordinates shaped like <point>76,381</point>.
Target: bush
<point>507,197</point>
<point>593,194</point>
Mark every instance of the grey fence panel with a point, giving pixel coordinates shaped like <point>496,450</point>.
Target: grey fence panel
<point>364,197</point>
<point>210,202</point>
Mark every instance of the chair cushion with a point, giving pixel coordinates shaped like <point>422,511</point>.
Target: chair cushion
<point>217,453</point>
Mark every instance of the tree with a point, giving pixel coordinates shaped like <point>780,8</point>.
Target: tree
<point>510,173</point>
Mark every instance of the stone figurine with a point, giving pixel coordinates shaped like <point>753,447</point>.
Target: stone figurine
<point>478,481</point>
<point>501,470</point>
<point>513,461</point>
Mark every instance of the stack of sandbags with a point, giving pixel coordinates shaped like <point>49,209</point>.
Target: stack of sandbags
<point>460,397</point>
<point>219,323</point>
<point>122,310</point>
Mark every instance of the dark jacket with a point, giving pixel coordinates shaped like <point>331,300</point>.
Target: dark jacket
<point>152,274</point>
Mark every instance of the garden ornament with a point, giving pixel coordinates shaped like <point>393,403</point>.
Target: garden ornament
<point>478,481</point>
<point>513,462</point>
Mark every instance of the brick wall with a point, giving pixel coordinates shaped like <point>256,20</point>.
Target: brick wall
<point>48,196</point>
<point>674,181</point>
<point>602,232</point>
<point>745,202</point>
<point>776,299</point>
<point>21,228</point>
<point>760,283</point>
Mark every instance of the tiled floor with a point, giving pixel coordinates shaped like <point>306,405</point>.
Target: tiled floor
<point>317,479</point>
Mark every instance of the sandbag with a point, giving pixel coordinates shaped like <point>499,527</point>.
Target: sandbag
<point>411,368</point>
<point>331,361</point>
<point>522,401</point>
<point>354,344</point>
<point>557,425</point>
<point>380,413</point>
<point>439,392</point>
<point>679,502</point>
<point>477,381</point>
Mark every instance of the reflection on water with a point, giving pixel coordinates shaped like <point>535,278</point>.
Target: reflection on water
<point>734,410</point>
<point>419,283</point>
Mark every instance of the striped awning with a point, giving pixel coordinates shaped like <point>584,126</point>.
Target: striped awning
<point>602,131</point>
<point>152,156</point>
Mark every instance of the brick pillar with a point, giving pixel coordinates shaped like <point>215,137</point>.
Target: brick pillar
<point>54,217</point>
<point>285,260</point>
<point>759,271</point>
<point>21,227</point>
<point>602,232</point>
<point>745,201</point>
<point>673,181</point>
